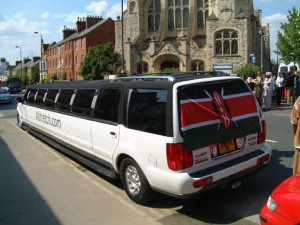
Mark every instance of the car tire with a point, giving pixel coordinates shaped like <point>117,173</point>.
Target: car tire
<point>135,183</point>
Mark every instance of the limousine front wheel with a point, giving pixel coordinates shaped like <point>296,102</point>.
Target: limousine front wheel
<point>135,183</point>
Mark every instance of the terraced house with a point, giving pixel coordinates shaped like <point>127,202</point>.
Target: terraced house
<point>65,56</point>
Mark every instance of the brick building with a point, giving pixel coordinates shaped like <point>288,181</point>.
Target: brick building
<point>64,58</point>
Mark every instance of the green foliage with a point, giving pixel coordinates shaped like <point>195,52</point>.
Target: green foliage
<point>54,76</point>
<point>99,61</point>
<point>288,42</point>
<point>35,76</point>
<point>64,75</point>
<point>247,70</point>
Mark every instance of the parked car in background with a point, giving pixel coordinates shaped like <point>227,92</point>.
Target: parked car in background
<point>4,96</point>
<point>283,206</point>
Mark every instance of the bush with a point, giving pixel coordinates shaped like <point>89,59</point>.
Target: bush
<point>247,70</point>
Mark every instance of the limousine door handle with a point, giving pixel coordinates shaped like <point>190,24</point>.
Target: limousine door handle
<point>113,134</point>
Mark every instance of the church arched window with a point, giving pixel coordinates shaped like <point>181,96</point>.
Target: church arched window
<point>142,67</point>
<point>197,65</point>
<point>178,14</point>
<point>226,42</point>
<point>154,11</point>
<point>202,12</point>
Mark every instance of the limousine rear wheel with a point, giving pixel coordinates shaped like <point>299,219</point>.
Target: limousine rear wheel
<point>135,183</point>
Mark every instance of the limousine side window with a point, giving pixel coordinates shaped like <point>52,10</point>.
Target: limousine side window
<point>50,98</point>
<point>83,101</point>
<point>39,100</point>
<point>63,101</point>
<point>147,110</point>
<point>107,107</point>
<point>31,96</point>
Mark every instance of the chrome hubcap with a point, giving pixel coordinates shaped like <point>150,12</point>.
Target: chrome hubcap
<point>133,180</point>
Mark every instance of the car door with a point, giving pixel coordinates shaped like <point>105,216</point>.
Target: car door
<point>105,127</point>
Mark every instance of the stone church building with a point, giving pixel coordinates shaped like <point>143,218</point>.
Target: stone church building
<point>191,35</point>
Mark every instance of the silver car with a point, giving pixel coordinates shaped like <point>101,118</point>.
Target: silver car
<point>4,96</point>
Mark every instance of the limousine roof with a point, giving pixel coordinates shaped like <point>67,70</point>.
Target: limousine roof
<point>162,79</point>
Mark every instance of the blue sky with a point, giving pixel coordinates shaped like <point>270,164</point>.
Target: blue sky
<point>20,19</point>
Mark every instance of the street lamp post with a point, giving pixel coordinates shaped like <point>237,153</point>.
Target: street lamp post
<point>122,17</point>
<point>21,62</point>
<point>41,66</point>
<point>261,50</point>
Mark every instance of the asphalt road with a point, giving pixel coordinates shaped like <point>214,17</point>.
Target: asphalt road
<point>41,186</point>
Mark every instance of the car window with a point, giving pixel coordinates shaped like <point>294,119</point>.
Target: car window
<point>107,107</point>
<point>3,91</point>
<point>40,97</point>
<point>50,98</point>
<point>83,101</point>
<point>31,96</point>
<point>147,110</point>
<point>63,101</point>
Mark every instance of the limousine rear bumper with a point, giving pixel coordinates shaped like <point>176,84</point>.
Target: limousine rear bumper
<point>181,184</point>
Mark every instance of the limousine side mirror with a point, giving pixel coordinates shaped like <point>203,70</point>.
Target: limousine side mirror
<point>19,99</point>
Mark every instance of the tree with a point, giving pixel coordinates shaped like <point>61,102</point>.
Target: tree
<point>99,61</point>
<point>247,70</point>
<point>288,42</point>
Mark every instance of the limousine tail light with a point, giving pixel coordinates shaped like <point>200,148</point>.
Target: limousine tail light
<point>261,137</point>
<point>178,157</point>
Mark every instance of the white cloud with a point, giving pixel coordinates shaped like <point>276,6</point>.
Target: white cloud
<point>45,15</point>
<point>97,7</point>
<point>274,22</point>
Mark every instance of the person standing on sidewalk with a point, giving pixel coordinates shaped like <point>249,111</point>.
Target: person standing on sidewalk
<point>295,120</point>
<point>268,90</point>
<point>279,87</point>
<point>289,84</point>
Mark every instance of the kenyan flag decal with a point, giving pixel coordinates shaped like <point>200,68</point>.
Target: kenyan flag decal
<point>212,114</point>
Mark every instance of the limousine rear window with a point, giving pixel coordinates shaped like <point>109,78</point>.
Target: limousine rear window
<point>217,112</point>
<point>50,98</point>
<point>147,110</point>
<point>83,101</point>
<point>63,101</point>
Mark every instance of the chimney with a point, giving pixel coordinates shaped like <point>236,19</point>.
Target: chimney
<point>26,60</point>
<point>3,59</point>
<point>36,58</point>
<point>80,24</point>
<point>67,32</point>
<point>92,20</point>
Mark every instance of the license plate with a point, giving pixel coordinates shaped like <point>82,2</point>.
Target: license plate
<point>226,147</point>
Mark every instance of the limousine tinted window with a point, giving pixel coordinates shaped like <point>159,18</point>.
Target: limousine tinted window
<point>107,107</point>
<point>39,100</point>
<point>82,101</point>
<point>50,98</point>
<point>63,101</point>
<point>31,96</point>
<point>147,110</point>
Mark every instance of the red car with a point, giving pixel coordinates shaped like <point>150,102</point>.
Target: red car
<point>283,206</point>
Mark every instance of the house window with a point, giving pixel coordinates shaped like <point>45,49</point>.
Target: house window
<point>154,11</point>
<point>226,42</point>
<point>202,12</point>
<point>178,14</point>
<point>76,59</point>
<point>76,44</point>
<point>82,43</point>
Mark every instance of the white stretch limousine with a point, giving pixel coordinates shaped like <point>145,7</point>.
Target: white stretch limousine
<point>176,134</point>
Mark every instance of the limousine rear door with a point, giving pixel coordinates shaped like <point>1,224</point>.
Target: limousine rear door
<point>105,127</point>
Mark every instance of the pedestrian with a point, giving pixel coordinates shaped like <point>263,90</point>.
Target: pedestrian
<point>261,78</point>
<point>295,120</point>
<point>255,86</point>
<point>297,84</point>
<point>279,83</point>
<point>290,89</point>
<point>268,90</point>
